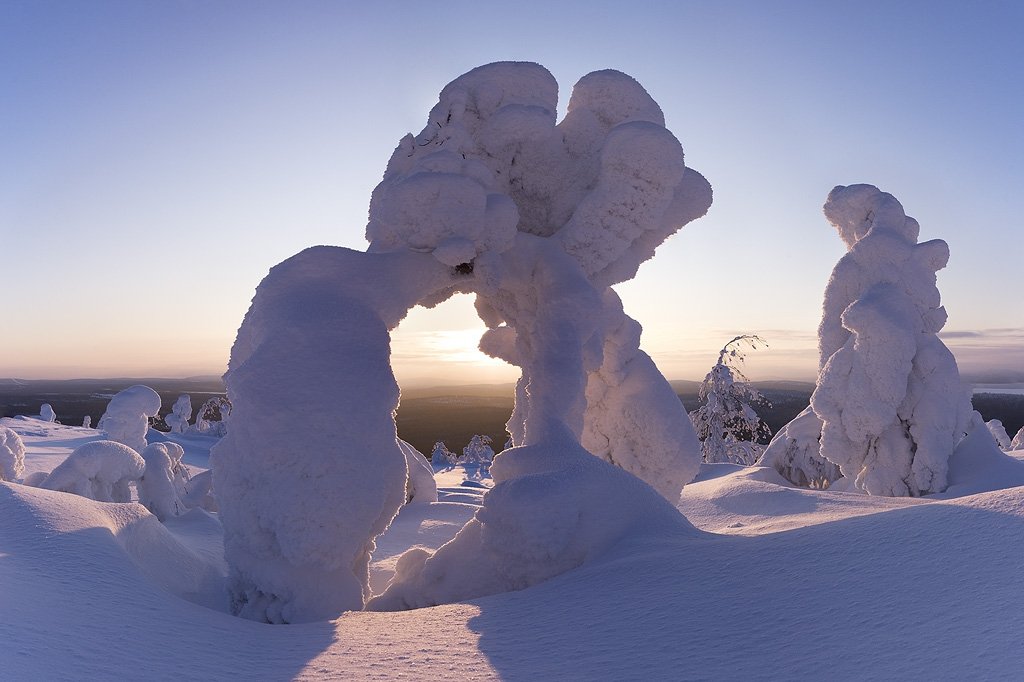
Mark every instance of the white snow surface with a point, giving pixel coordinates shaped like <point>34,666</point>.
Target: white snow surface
<point>930,590</point>
<point>998,432</point>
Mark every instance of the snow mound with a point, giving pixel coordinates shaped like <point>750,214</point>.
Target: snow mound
<point>554,507</point>
<point>116,538</point>
<point>738,500</point>
<point>101,470</point>
<point>794,453</point>
<point>978,465</point>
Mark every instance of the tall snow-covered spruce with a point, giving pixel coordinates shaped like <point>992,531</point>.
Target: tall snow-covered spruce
<point>536,218</point>
<point>889,402</point>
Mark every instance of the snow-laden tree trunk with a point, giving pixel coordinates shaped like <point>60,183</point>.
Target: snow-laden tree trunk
<point>311,470</point>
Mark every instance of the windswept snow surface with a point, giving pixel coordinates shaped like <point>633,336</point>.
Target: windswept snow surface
<point>892,587</point>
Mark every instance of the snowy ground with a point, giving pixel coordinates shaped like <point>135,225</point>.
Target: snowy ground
<point>778,583</point>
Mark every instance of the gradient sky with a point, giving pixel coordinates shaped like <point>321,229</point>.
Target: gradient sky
<point>157,158</point>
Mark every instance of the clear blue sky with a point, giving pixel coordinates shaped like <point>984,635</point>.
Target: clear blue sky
<point>158,157</point>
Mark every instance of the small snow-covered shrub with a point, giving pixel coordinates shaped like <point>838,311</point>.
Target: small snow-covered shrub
<point>127,417</point>
<point>441,458</point>
<point>998,432</point>
<point>12,455</point>
<point>1018,440</point>
<point>158,491</point>
<point>86,422</point>
<point>212,416</point>
<point>47,414</point>
<point>477,456</point>
<point>181,412</point>
<point>199,492</point>
<point>101,470</point>
<point>794,453</point>
<point>726,422</point>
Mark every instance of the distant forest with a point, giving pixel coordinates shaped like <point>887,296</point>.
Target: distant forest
<point>451,414</point>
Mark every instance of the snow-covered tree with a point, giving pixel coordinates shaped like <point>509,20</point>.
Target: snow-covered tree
<point>12,455</point>
<point>477,457</point>
<point>441,458</point>
<point>726,422</point>
<point>126,419</point>
<point>998,432</point>
<point>158,487</point>
<point>181,412</point>
<point>1018,440</point>
<point>212,416</point>
<point>86,422</point>
<point>101,470</point>
<point>46,413</point>
<point>310,471</point>
<point>199,492</point>
<point>889,395</point>
<point>795,452</point>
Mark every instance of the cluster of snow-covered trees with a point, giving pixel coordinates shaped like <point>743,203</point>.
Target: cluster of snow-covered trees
<point>476,457</point>
<point>537,218</point>
<point>109,470</point>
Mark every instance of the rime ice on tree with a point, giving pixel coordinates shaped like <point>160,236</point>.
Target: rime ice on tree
<point>181,412</point>
<point>538,220</point>
<point>12,455</point>
<point>101,470</point>
<point>126,419</point>
<point>727,423</point>
<point>889,394</point>
<point>162,483</point>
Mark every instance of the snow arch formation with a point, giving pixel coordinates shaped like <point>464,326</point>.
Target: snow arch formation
<point>537,219</point>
